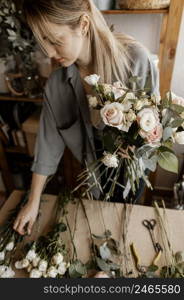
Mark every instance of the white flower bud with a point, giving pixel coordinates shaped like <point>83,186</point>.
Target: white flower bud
<point>25,263</point>
<point>52,272</point>
<point>2,255</point>
<point>10,246</point>
<point>57,258</point>
<point>42,266</point>
<point>179,137</point>
<point>35,273</point>
<point>18,265</point>
<point>35,261</point>
<point>31,255</point>
<point>92,79</point>
<point>62,268</point>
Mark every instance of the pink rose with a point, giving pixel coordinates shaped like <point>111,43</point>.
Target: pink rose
<point>153,136</point>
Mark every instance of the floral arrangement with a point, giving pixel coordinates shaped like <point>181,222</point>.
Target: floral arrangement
<point>139,130</point>
<point>9,240</point>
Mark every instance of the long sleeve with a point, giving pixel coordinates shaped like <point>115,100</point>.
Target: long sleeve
<point>49,146</point>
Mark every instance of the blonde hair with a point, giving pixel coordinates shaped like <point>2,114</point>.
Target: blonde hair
<point>109,51</point>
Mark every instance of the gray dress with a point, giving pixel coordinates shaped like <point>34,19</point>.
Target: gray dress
<point>65,117</point>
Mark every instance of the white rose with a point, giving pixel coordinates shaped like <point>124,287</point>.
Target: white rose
<point>18,265</point>
<point>25,263</point>
<point>179,137</point>
<point>92,100</point>
<point>2,255</point>
<point>110,160</point>
<point>52,272</point>
<point>42,265</point>
<point>2,269</point>
<point>10,246</point>
<point>35,261</point>
<point>148,119</point>
<point>62,268</point>
<point>113,115</point>
<point>31,255</point>
<point>35,273</point>
<point>57,258</point>
<point>131,116</point>
<point>92,79</point>
<point>8,273</point>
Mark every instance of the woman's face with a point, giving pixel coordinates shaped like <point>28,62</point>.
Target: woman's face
<point>66,46</point>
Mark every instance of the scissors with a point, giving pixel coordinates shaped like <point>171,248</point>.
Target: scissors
<point>150,225</point>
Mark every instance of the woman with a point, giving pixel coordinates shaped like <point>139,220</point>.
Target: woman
<point>75,34</point>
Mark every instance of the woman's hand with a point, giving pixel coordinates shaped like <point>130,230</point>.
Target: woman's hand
<point>26,218</point>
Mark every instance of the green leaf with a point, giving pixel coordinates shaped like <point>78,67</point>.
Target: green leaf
<point>77,269</point>
<point>152,268</point>
<point>80,267</point>
<point>167,133</point>
<point>178,108</point>
<point>102,265</point>
<point>177,123</point>
<point>165,149</point>
<point>105,253</point>
<point>168,161</point>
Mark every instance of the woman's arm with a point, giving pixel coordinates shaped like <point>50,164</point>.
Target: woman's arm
<point>29,212</point>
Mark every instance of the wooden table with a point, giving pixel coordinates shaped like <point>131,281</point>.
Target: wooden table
<point>99,213</point>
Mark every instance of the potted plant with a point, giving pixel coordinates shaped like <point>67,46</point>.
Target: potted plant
<point>18,42</point>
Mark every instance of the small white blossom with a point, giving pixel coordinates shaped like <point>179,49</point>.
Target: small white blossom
<point>10,246</point>
<point>62,268</point>
<point>138,105</point>
<point>35,273</point>
<point>92,79</point>
<point>131,116</point>
<point>110,160</point>
<point>31,255</point>
<point>52,272</point>
<point>179,137</point>
<point>42,265</point>
<point>57,258</point>
<point>2,255</point>
<point>93,102</point>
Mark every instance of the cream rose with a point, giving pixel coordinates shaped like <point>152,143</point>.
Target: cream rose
<point>176,99</point>
<point>113,115</point>
<point>148,119</point>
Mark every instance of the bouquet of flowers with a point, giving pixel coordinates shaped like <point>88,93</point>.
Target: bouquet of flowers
<point>139,132</point>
